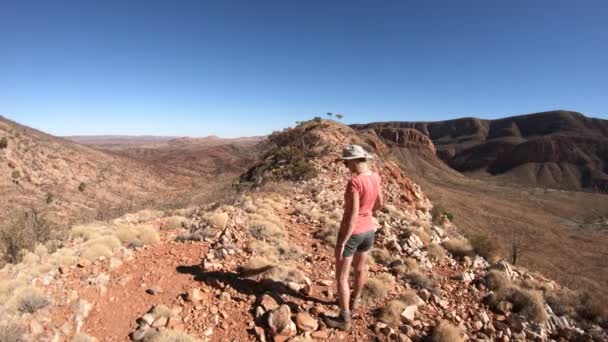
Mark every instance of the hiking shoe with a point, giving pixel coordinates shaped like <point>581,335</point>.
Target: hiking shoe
<point>337,323</point>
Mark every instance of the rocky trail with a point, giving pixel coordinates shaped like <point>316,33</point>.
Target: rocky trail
<point>260,268</point>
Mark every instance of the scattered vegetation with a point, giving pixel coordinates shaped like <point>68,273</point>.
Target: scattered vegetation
<point>29,300</point>
<point>447,332</point>
<point>23,235</point>
<point>381,256</point>
<point>218,219</point>
<point>82,337</point>
<point>419,280</point>
<point>377,288</point>
<point>3,143</point>
<point>317,119</point>
<point>439,213</point>
<point>486,247</point>
<point>436,252</point>
<point>174,222</point>
<point>49,197</point>
<point>459,248</point>
<point>496,280</point>
<point>172,336</point>
<point>266,231</point>
<point>391,312</point>
<point>12,332</point>
<point>580,305</point>
<point>528,303</point>
<point>82,186</point>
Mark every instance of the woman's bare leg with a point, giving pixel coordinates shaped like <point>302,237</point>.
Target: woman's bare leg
<point>342,273</point>
<point>360,270</point>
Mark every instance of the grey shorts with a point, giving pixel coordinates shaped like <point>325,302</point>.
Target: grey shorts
<point>359,243</point>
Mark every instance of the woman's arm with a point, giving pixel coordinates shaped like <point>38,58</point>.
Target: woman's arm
<point>351,211</point>
<point>379,204</point>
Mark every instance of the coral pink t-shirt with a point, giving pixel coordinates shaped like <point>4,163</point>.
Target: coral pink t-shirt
<point>368,188</point>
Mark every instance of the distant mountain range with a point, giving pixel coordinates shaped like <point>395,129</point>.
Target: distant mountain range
<point>556,149</point>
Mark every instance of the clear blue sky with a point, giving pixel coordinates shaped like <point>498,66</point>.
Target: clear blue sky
<point>235,68</point>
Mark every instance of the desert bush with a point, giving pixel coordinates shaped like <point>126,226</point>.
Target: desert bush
<point>381,256</point>
<point>377,288</point>
<point>93,251</point>
<point>423,235</point>
<point>268,231</point>
<point>15,174</point>
<point>82,337</point>
<point>12,332</point>
<point>172,336</point>
<point>486,247</point>
<point>29,300</point>
<point>528,303</point>
<point>147,234</point>
<point>82,186</point>
<point>49,197</point>
<point>174,222</point>
<point>436,252</point>
<point>447,332</point>
<point>419,280</point>
<point>3,143</point>
<point>391,312</point>
<point>327,233</point>
<point>593,307</point>
<point>459,248</point>
<point>438,213</point>
<point>409,297</point>
<point>562,302</point>
<point>148,214</point>
<point>13,241</point>
<point>496,280</point>
<point>218,219</point>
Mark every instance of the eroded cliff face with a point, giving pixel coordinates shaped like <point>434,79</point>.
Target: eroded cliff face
<point>569,144</point>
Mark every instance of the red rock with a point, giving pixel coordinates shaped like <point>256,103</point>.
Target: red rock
<point>305,322</point>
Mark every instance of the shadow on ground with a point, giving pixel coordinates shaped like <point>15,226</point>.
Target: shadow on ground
<point>247,286</point>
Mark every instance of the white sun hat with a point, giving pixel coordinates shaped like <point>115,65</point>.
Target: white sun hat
<point>355,152</point>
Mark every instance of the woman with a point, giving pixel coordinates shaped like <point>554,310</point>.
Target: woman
<point>363,196</point>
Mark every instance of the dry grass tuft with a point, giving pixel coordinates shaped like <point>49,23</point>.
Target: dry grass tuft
<point>147,234</point>
<point>218,219</point>
<point>409,297</point>
<point>94,251</point>
<point>327,233</point>
<point>525,302</point>
<point>391,312</point>
<point>172,336</point>
<point>148,214</point>
<point>436,252</point>
<point>459,248</point>
<point>377,287</point>
<point>381,256</point>
<point>419,280</point>
<point>447,332</point>
<point>266,268</point>
<point>486,247</point>
<point>29,300</point>
<point>265,230</point>
<point>12,332</point>
<point>82,337</point>
<point>174,222</point>
<point>496,280</point>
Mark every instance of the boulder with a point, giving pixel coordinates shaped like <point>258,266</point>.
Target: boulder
<point>305,322</point>
<point>280,324</point>
<point>409,313</point>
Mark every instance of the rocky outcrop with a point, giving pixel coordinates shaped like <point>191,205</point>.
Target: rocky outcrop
<point>558,149</point>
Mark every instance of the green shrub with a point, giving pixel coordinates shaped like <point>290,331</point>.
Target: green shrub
<point>317,119</point>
